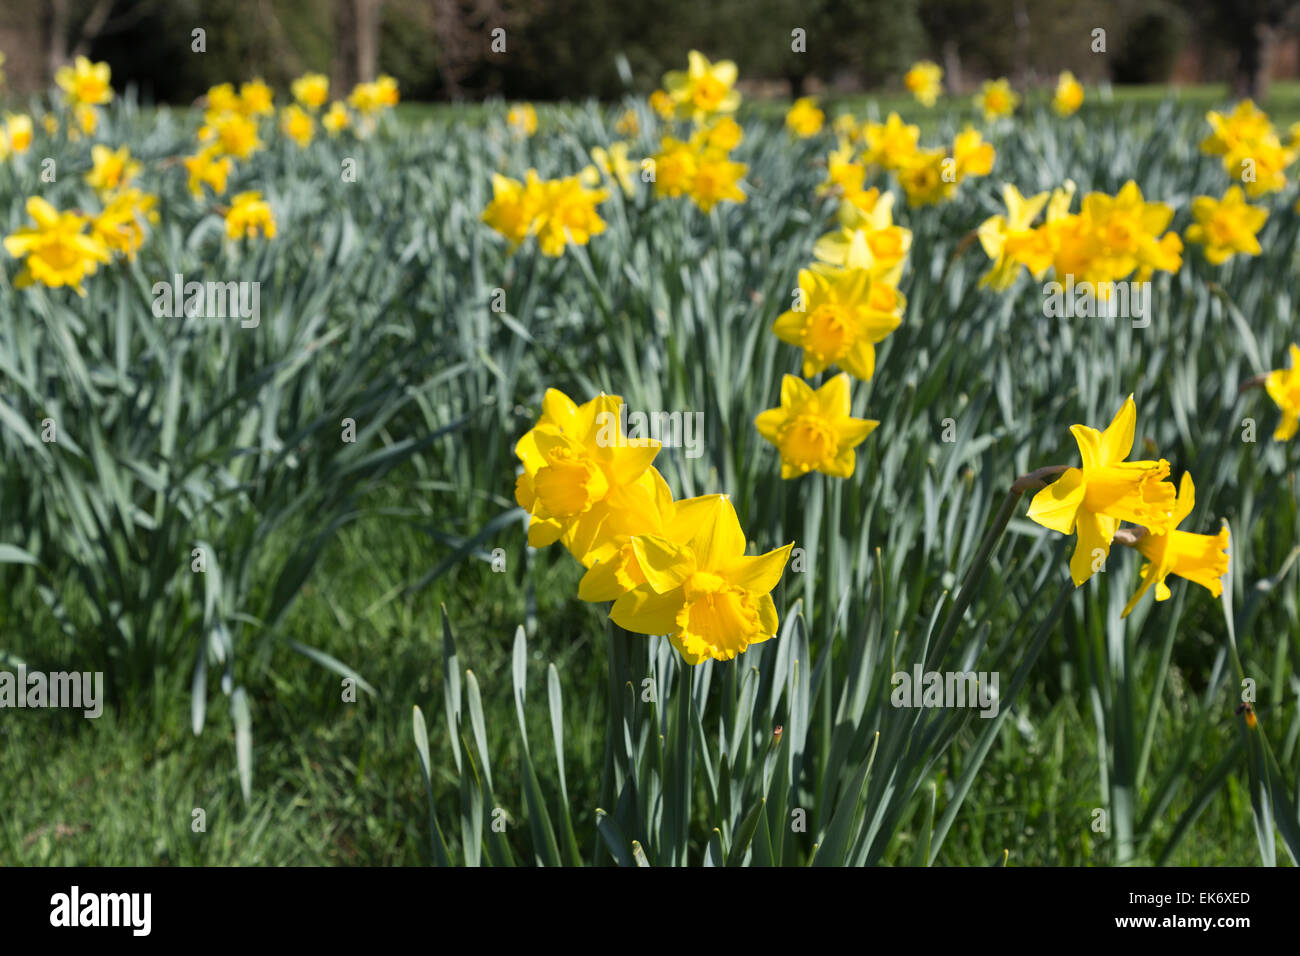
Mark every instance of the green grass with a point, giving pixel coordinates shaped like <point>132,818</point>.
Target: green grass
<point>676,317</point>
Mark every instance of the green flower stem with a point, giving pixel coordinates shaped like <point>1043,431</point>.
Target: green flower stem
<point>1032,481</point>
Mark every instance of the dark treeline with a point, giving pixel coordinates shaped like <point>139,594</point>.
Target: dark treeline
<point>553,49</point>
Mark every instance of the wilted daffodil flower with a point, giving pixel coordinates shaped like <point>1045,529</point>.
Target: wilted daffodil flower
<point>838,319</point>
<point>1226,226</point>
<point>584,483</point>
<point>1283,386</point>
<point>814,429</point>
<point>1091,501</point>
<point>1200,558</point>
<point>701,589</point>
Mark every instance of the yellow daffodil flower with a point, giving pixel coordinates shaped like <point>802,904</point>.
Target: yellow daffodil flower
<point>925,81</point>
<point>250,216</point>
<point>111,169</point>
<point>1069,94</point>
<point>297,124</point>
<point>804,119</point>
<point>85,83</point>
<point>1092,500</point>
<point>231,135</point>
<point>1283,386</point>
<point>207,168</point>
<point>336,118</point>
<point>704,89</point>
<point>1200,558</point>
<point>122,223</point>
<point>311,90</point>
<point>584,483</point>
<point>1226,226</point>
<point>710,598</point>
<point>616,167</point>
<point>814,430</point>
<point>522,119</point>
<point>841,319</point>
<point>996,98</point>
<point>55,252</point>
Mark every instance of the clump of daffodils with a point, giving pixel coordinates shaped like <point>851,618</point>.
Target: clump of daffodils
<point>672,567</point>
<point>846,303</point>
<point>927,175</point>
<point>1093,500</point>
<point>556,211</point>
<point>1109,239</point>
<point>1253,153</point>
<point>699,166</point>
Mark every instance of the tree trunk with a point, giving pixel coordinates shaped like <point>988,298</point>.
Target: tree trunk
<point>952,65</point>
<point>56,36</point>
<point>1254,57</point>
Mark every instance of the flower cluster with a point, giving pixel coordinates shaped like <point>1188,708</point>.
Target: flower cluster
<point>1093,500</point>
<point>1251,148</point>
<point>700,166</point>
<point>670,567</point>
<point>846,303</point>
<point>1109,239</point>
<point>556,211</point>
<point>927,175</point>
<point>62,247</point>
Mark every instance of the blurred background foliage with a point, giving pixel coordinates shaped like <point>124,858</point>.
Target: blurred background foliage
<point>558,49</point>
